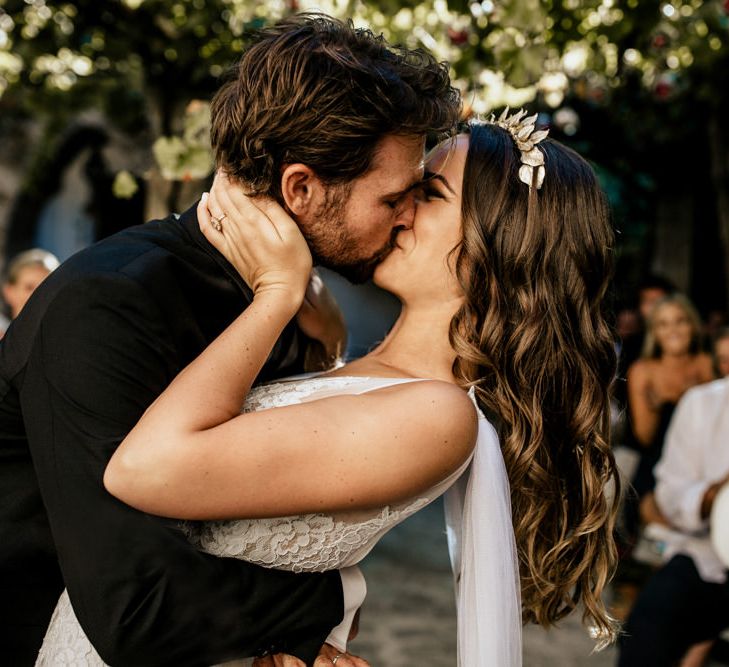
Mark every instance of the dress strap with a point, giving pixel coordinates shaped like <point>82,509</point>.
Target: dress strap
<point>316,386</point>
<point>382,383</point>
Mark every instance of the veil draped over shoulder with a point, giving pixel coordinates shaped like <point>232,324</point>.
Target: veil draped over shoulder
<point>484,560</point>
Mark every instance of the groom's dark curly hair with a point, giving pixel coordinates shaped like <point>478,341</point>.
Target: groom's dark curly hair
<point>318,91</point>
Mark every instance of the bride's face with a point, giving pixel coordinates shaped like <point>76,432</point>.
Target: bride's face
<point>421,265</point>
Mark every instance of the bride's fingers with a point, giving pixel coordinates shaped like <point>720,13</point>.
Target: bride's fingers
<point>204,219</point>
<point>323,661</point>
<point>283,223</point>
<point>217,210</point>
<point>243,213</point>
<point>232,197</point>
<point>344,660</point>
<point>263,662</point>
<point>272,212</point>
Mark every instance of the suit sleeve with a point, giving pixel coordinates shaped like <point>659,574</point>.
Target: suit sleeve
<point>143,595</point>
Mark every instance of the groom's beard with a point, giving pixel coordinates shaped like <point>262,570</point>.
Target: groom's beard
<point>331,245</point>
<point>358,271</point>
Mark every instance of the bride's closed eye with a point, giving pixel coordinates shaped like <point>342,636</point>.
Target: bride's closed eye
<point>428,192</point>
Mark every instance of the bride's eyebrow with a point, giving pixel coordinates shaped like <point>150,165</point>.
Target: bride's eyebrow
<point>431,175</point>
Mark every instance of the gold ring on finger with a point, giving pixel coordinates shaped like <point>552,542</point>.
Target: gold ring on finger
<point>218,222</point>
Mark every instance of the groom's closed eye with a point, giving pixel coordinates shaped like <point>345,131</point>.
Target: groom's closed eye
<point>404,199</point>
<point>394,199</point>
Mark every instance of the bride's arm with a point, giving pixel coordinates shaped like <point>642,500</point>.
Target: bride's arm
<point>192,455</point>
<point>339,453</point>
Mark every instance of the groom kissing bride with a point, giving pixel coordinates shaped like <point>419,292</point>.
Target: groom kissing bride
<point>123,381</point>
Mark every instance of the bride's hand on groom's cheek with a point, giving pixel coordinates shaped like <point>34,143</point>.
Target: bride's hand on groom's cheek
<point>258,238</point>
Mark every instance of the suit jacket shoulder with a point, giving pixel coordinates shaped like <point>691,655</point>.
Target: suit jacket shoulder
<point>196,291</point>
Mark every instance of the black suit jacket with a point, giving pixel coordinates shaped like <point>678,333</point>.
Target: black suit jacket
<point>94,346</point>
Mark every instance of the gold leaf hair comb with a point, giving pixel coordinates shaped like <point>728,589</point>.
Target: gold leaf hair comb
<point>522,129</point>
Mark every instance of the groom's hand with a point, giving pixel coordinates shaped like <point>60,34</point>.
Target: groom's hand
<point>327,657</point>
<point>321,320</point>
<point>279,660</point>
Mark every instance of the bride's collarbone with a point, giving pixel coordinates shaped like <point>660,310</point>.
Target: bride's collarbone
<point>370,369</point>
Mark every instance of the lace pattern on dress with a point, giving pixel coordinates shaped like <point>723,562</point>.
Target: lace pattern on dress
<point>279,394</point>
<point>307,543</point>
<point>65,642</point>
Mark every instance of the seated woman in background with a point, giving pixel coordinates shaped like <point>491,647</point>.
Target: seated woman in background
<point>671,363</point>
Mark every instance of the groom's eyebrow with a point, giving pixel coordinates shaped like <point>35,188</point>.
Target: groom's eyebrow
<point>401,193</point>
<point>431,175</point>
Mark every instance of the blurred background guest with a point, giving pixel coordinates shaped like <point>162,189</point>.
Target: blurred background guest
<point>631,324</point>
<point>651,289</point>
<point>671,363</point>
<point>721,352</point>
<point>719,524</point>
<point>25,272</point>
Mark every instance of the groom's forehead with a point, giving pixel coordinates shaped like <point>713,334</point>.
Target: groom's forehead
<point>403,153</point>
<point>399,164</point>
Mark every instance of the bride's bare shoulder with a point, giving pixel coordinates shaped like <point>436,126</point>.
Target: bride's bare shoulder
<point>440,392</point>
<point>429,411</point>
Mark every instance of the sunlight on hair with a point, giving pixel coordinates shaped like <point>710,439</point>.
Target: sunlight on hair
<point>603,637</point>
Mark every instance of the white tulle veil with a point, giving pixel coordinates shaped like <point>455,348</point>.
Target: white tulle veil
<point>483,556</point>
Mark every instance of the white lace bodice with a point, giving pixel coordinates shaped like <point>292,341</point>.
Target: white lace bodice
<point>305,543</point>
<point>311,542</point>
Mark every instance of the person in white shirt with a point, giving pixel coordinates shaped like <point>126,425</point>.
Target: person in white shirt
<point>687,600</point>
<point>720,524</point>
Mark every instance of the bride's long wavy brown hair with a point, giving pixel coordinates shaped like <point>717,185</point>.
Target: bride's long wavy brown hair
<point>532,339</point>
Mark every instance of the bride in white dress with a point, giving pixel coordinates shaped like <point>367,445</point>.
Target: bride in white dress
<point>501,278</point>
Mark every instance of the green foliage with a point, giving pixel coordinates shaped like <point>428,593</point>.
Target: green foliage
<point>643,76</point>
<point>117,54</point>
<point>182,158</point>
<point>113,53</point>
<point>125,186</point>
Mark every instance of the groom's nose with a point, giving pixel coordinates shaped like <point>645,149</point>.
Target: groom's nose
<point>406,212</point>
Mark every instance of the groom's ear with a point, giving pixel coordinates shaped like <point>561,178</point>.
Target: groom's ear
<point>301,189</point>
